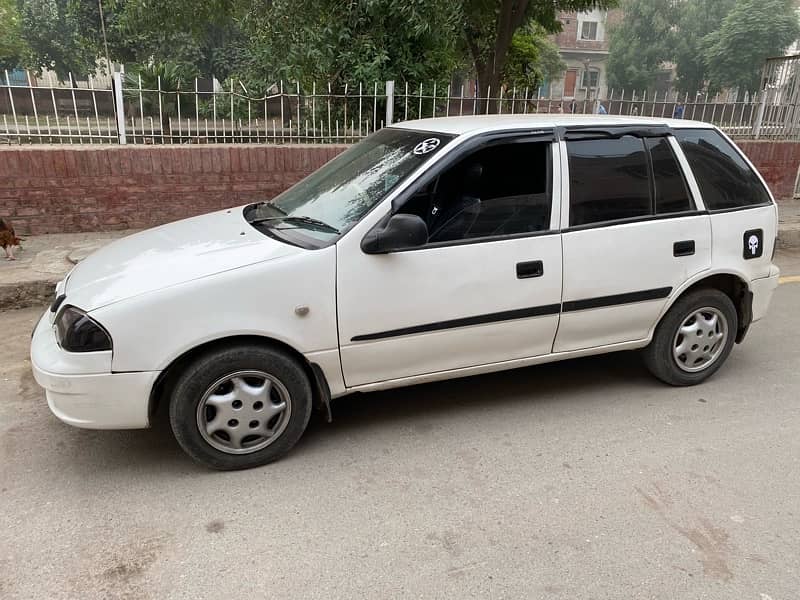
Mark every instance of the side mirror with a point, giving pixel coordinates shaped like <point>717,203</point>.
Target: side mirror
<point>400,233</point>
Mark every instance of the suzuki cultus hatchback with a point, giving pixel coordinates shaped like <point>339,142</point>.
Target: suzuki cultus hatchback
<point>433,249</point>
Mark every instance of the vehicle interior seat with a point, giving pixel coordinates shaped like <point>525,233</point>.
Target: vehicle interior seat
<point>454,220</point>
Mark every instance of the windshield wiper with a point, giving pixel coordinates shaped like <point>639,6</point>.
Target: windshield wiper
<point>304,220</point>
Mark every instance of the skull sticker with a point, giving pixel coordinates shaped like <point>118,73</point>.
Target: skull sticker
<point>753,244</point>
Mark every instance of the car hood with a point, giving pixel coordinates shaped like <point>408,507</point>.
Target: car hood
<point>170,255</point>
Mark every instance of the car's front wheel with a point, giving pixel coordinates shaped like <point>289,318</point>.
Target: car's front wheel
<point>240,406</point>
<point>693,339</point>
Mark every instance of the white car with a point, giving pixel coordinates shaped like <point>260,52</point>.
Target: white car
<point>433,249</point>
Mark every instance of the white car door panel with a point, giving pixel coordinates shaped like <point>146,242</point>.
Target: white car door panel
<point>618,278</point>
<point>423,311</point>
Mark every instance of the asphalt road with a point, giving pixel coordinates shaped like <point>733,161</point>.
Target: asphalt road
<point>585,479</point>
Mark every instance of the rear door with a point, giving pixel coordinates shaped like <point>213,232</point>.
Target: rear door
<point>634,234</point>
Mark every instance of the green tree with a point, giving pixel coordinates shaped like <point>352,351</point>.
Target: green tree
<point>750,33</point>
<point>12,48</point>
<point>489,27</point>
<point>532,59</point>
<point>205,37</point>
<point>641,43</point>
<point>696,19</point>
<point>365,41</point>
<point>54,38</point>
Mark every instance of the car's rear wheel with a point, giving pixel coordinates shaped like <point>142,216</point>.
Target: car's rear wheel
<point>240,406</point>
<point>693,339</point>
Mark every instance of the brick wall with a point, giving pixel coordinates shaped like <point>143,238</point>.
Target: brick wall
<point>777,162</point>
<point>61,189</point>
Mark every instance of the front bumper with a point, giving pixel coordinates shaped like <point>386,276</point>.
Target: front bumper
<point>92,400</point>
<point>762,289</point>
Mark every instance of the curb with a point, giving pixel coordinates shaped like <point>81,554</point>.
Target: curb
<point>25,295</point>
<point>789,236</point>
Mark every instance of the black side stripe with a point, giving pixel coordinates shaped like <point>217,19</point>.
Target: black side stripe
<point>508,315</point>
<point>522,313</point>
<point>629,298</point>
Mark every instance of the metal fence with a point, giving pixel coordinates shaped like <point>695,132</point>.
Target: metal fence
<point>124,110</point>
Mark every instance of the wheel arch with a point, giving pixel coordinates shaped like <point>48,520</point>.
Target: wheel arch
<point>159,394</point>
<point>732,284</point>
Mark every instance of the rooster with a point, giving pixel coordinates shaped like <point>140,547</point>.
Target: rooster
<point>8,239</point>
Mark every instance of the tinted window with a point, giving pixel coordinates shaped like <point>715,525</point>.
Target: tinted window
<point>500,190</point>
<point>672,196</point>
<point>724,178</point>
<point>608,180</point>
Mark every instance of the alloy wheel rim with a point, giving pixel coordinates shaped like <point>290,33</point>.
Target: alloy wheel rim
<point>244,412</point>
<point>700,339</point>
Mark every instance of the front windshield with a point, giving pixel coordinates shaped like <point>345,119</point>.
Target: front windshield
<point>331,200</point>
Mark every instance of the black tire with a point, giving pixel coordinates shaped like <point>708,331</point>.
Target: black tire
<point>659,357</point>
<point>202,373</point>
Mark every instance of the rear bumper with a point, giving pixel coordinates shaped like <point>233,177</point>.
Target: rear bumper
<point>89,400</point>
<point>762,289</point>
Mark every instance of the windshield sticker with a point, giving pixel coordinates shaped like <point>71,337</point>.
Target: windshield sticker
<point>426,146</point>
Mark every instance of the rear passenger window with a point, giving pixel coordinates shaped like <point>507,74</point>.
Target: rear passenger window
<point>608,180</point>
<point>672,195</point>
<point>724,178</point>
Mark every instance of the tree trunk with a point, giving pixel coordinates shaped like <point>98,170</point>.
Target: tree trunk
<point>489,66</point>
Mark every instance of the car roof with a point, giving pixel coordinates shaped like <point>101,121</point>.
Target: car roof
<point>483,123</point>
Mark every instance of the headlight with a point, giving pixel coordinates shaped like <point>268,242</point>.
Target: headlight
<point>77,332</point>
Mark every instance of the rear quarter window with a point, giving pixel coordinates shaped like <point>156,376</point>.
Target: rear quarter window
<point>726,181</point>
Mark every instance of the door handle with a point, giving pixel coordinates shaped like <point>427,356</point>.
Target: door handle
<point>683,248</point>
<point>532,268</point>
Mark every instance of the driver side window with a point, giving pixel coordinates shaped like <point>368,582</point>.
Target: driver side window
<point>500,190</point>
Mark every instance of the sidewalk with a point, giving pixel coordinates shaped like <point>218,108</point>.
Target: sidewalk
<point>42,262</point>
<point>789,228</point>
<point>45,259</point>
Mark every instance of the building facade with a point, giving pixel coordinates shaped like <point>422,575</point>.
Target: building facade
<point>583,44</point>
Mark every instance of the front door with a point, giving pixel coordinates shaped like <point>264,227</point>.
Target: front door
<point>569,84</point>
<point>634,236</point>
<point>485,289</point>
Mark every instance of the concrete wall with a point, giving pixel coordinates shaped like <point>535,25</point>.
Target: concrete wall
<point>62,189</point>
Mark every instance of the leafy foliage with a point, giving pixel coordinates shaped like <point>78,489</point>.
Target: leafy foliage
<point>11,44</point>
<point>641,43</point>
<point>169,77</point>
<point>695,21</point>
<point>489,27</point>
<point>352,41</point>
<point>753,31</point>
<point>52,30</point>
<point>532,59</point>
<point>713,44</point>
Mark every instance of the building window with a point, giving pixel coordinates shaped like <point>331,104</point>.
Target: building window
<point>589,30</point>
<point>590,79</point>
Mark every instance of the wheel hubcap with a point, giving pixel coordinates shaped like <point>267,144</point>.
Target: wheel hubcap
<point>244,412</point>
<point>700,340</point>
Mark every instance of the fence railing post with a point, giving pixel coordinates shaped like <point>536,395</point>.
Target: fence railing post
<point>389,102</point>
<point>119,108</point>
<point>762,105</point>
